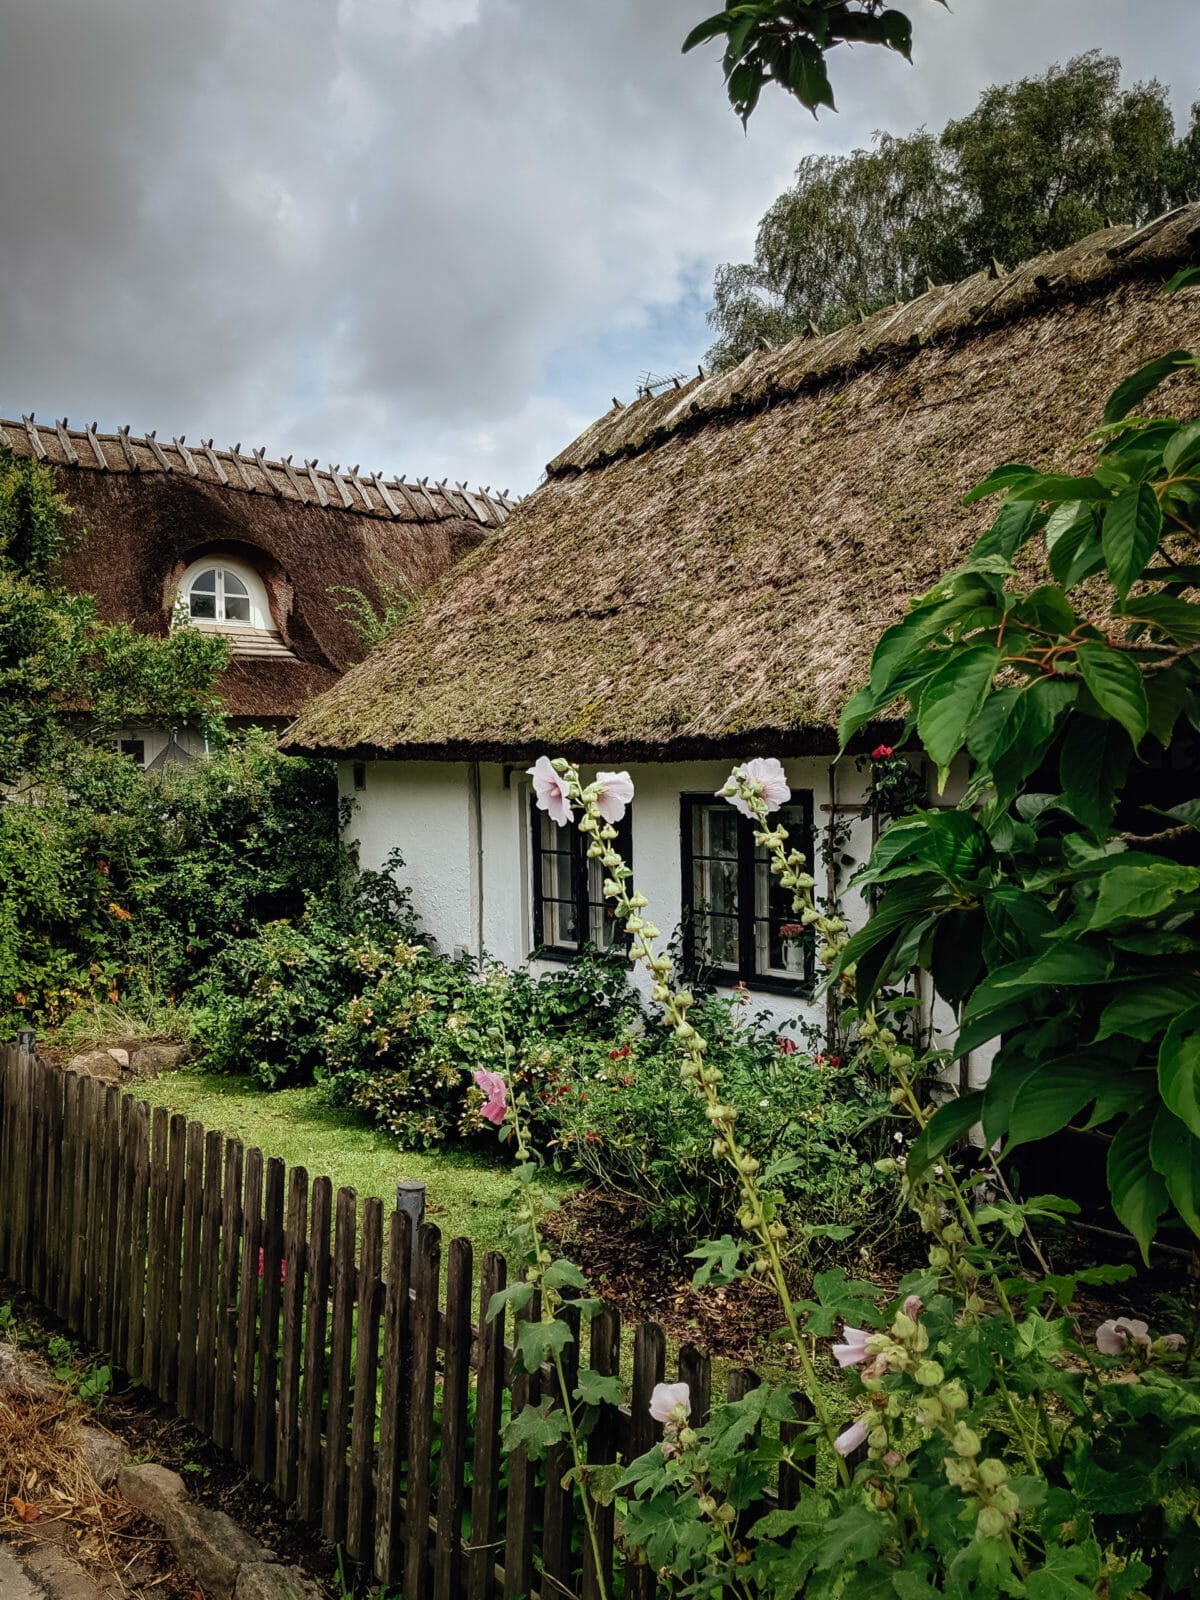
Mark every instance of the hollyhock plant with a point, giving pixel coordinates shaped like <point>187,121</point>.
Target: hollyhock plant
<point>670,1402</point>
<point>851,1438</point>
<point>614,791</point>
<point>550,791</point>
<point>493,1086</point>
<point>853,1352</point>
<point>765,776</point>
<point>1114,1336</point>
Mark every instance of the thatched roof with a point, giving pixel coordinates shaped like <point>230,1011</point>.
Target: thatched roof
<point>150,508</point>
<point>707,570</point>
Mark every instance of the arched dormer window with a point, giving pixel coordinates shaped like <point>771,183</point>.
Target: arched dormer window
<point>217,589</point>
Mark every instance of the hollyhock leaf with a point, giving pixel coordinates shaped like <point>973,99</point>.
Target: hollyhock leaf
<point>598,1388</point>
<point>535,1430</point>
<point>854,1536</point>
<point>516,1295</point>
<point>1068,1573</point>
<point>537,1341</point>
<point>563,1274</point>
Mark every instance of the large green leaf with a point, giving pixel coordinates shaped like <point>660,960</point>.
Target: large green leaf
<point>1135,887</point>
<point>1116,684</point>
<point>948,1124</point>
<point>1130,533</point>
<point>1178,619</point>
<point>1059,486</point>
<point>952,699</point>
<point>1067,963</point>
<point>1072,546</point>
<point>1092,765</point>
<point>1179,1068</point>
<point>1139,1193</point>
<point>1147,1009</point>
<point>1050,1098</point>
<point>1013,525</point>
<point>999,479</point>
<point>1139,384</point>
<point>1175,1152</point>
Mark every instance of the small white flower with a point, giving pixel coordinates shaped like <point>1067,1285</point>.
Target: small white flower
<point>670,1402</point>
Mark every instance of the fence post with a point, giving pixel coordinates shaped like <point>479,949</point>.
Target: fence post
<point>410,1202</point>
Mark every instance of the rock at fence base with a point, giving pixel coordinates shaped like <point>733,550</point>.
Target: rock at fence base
<point>154,1490</point>
<point>20,1374</point>
<point>96,1064</point>
<point>265,1580</point>
<point>211,1547</point>
<point>121,1057</point>
<point>104,1455</point>
<point>151,1059</point>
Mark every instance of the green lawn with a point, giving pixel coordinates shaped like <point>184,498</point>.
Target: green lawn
<point>464,1189</point>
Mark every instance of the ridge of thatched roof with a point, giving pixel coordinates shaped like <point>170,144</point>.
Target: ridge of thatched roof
<point>374,496</point>
<point>707,570</point>
<point>945,311</point>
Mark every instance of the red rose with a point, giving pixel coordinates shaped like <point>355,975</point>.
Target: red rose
<point>787,1047</point>
<point>881,752</point>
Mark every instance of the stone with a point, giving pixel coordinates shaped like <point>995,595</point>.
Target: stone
<point>148,1060</point>
<point>104,1455</point>
<point>266,1580</point>
<point>56,1574</point>
<point>152,1489</point>
<point>95,1064</point>
<point>121,1057</point>
<point>20,1374</point>
<point>15,1583</point>
<point>210,1546</point>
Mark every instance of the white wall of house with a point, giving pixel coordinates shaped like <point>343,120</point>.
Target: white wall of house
<point>465,833</point>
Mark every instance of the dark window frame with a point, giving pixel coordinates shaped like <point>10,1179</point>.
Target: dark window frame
<point>747,972</point>
<point>542,951</point>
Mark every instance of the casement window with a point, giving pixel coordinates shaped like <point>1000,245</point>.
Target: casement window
<point>736,910</point>
<point>569,908</point>
<point>217,590</point>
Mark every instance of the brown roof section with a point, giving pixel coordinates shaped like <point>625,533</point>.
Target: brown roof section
<point>709,569</point>
<point>146,509</point>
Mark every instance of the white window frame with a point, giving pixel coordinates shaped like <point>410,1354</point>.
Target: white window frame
<point>260,611</point>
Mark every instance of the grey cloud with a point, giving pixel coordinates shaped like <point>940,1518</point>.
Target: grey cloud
<point>366,229</point>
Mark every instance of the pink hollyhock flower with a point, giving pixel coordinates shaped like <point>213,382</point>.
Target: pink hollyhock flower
<point>768,774</point>
<point>913,1306</point>
<point>550,791</point>
<point>494,1088</point>
<point>1172,1341</point>
<point>854,1351</point>
<point>881,752</point>
<point>1113,1336</point>
<point>262,1259</point>
<point>848,1441</point>
<point>667,1399</point>
<point>616,791</point>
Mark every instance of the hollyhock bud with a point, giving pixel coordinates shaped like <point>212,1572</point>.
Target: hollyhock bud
<point>851,1438</point>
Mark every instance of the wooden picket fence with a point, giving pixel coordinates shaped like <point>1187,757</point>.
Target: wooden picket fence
<point>304,1334</point>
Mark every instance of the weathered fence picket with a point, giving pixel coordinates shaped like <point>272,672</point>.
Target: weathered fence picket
<point>308,1337</point>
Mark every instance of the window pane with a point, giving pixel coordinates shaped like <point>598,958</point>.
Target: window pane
<point>716,940</point>
<point>237,607</point>
<point>206,581</point>
<point>233,584</point>
<point>203,606</point>
<point>778,955</point>
<point>714,831</point>
<point>559,914</point>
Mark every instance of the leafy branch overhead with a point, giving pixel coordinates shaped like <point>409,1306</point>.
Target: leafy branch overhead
<point>1059,905</point>
<point>785,42</point>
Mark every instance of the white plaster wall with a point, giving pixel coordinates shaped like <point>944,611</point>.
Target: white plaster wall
<point>423,809</point>
<point>465,835</point>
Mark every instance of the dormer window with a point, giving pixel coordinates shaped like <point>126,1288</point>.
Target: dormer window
<point>218,590</point>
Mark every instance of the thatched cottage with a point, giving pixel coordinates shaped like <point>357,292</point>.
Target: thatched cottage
<point>702,577</point>
<point>261,551</point>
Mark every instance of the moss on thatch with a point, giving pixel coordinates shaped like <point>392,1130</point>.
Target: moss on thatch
<point>709,569</point>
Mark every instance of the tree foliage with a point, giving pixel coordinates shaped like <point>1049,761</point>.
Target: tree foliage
<point>1058,908</point>
<point>67,680</point>
<point>1038,164</point>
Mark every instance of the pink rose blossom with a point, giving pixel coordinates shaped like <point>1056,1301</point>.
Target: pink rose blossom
<point>616,791</point>
<point>767,774</point>
<point>667,1399</point>
<point>851,1438</point>
<point>1113,1336</point>
<point>550,791</point>
<point>494,1088</point>
<point>854,1351</point>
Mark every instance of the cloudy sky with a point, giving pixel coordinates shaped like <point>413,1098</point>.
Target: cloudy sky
<point>429,236</point>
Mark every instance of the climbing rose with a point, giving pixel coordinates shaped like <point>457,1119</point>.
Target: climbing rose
<point>850,1439</point>
<point>854,1351</point>
<point>787,1047</point>
<point>1114,1335</point>
<point>550,791</point>
<point>616,791</point>
<point>766,772</point>
<point>493,1087</point>
<point>881,752</point>
<point>667,1399</point>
